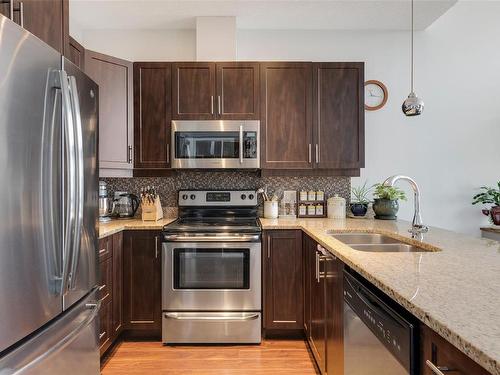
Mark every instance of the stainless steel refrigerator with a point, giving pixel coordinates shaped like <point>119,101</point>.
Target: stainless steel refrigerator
<point>48,216</point>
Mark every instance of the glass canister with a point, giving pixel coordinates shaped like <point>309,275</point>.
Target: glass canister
<point>336,207</point>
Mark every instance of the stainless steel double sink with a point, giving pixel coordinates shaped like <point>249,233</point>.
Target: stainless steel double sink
<point>376,243</point>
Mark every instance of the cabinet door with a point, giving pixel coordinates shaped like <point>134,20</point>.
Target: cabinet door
<point>114,77</point>
<point>45,19</point>
<point>193,91</point>
<point>286,121</point>
<point>283,297</point>
<point>308,259</point>
<point>238,91</point>
<point>442,354</point>
<point>117,313</point>
<point>317,337</point>
<point>142,281</point>
<point>152,114</point>
<point>104,327</point>
<point>76,53</point>
<point>339,115</point>
<point>334,305</point>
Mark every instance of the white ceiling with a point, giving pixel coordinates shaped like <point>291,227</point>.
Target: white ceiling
<point>258,14</point>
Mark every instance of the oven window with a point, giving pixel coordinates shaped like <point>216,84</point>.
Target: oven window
<point>211,268</point>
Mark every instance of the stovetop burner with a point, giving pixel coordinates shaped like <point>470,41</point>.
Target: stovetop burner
<point>204,212</point>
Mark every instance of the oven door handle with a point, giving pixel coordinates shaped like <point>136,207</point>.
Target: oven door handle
<point>204,238</point>
<point>226,317</point>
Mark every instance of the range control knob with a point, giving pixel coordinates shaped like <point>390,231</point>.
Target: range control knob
<point>243,197</point>
<point>184,197</point>
<point>251,197</point>
<point>193,197</point>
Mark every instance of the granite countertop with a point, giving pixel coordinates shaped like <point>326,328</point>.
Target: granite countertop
<point>493,229</point>
<point>115,226</point>
<point>454,291</point>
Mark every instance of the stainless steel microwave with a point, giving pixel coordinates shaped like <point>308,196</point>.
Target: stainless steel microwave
<point>213,144</point>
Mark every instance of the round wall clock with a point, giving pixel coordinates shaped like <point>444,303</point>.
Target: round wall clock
<point>375,95</point>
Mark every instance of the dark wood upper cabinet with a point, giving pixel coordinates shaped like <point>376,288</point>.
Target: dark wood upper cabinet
<point>339,115</point>
<point>238,91</point>
<point>142,281</point>
<point>152,114</point>
<point>193,91</point>
<point>286,120</point>
<point>47,19</point>
<point>76,53</point>
<point>283,288</point>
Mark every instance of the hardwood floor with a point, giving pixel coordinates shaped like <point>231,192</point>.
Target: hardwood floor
<point>271,357</point>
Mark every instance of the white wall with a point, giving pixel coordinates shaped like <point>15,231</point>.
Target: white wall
<point>143,45</point>
<point>450,150</point>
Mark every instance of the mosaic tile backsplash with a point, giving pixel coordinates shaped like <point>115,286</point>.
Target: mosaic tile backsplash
<point>167,187</point>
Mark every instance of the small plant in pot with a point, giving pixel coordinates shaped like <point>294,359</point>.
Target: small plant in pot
<point>490,196</point>
<point>385,203</point>
<point>360,201</point>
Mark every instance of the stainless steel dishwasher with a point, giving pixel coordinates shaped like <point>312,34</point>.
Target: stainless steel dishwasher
<point>377,339</point>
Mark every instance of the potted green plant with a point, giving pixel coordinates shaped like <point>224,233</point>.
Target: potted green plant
<point>360,201</point>
<point>385,203</point>
<point>491,196</point>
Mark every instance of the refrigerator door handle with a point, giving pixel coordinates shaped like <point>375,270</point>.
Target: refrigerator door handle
<point>66,340</point>
<point>70,168</point>
<point>75,108</point>
<point>50,140</point>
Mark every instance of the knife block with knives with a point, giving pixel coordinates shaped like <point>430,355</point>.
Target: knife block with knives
<point>151,205</point>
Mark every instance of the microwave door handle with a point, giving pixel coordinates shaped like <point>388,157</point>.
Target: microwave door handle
<point>241,144</point>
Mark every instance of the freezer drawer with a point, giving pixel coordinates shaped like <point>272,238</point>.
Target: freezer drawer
<point>67,346</point>
<point>213,327</point>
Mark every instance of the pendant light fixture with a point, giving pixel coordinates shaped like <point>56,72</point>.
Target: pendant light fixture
<point>413,105</point>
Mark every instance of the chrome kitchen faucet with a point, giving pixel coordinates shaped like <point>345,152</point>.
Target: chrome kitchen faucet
<point>417,227</point>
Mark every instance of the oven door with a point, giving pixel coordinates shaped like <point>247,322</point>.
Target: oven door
<point>211,276</point>
<point>215,144</point>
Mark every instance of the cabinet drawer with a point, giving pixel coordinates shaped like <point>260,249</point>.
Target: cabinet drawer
<point>436,351</point>
<point>104,326</point>
<point>106,280</point>
<point>105,247</point>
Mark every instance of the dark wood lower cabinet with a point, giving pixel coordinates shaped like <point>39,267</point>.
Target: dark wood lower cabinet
<point>323,307</point>
<point>440,353</point>
<point>283,296</point>
<point>110,289</point>
<point>142,281</point>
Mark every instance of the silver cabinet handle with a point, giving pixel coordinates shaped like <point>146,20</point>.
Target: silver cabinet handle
<point>438,370</point>
<point>269,246</point>
<point>129,155</point>
<point>241,144</point>
<point>212,104</point>
<point>219,105</point>
<point>21,12</point>
<point>317,266</point>
<point>102,287</point>
<point>310,153</point>
<point>317,152</point>
<point>156,247</point>
<point>102,335</point>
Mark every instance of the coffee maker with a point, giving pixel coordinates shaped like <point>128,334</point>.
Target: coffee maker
<point>104,203</point>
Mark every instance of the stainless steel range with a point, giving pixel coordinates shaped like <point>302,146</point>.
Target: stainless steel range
<point>211,269</point>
